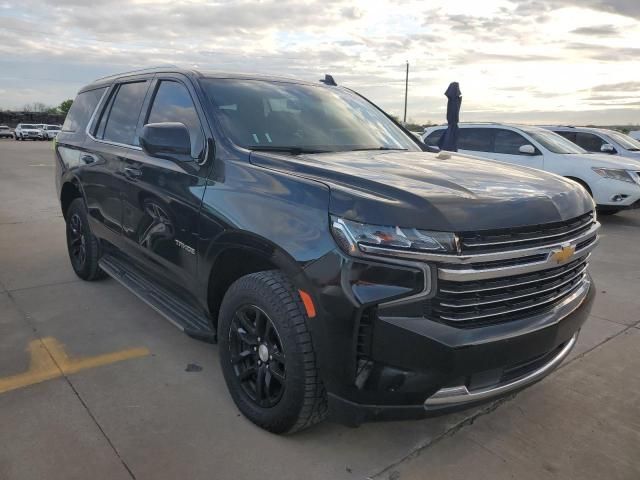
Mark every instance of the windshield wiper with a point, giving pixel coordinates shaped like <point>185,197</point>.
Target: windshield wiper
<point>291,150</point>
<point>633,149</point>
<point>374,148</point>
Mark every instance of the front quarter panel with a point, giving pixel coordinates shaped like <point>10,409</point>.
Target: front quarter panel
<point>272,211</point>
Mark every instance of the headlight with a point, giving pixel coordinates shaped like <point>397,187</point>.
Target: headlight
<point>614,174</point>
<point>355,238</point>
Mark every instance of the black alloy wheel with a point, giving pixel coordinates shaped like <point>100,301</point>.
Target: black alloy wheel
<point>257,356</point>
<point>77,242</point>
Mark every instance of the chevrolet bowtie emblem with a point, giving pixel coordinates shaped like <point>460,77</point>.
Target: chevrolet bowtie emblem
<point>563,254</point>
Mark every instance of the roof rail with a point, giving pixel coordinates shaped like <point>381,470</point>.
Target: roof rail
<point>140,70</point>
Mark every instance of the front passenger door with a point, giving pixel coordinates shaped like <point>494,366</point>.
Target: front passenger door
<point>163,197</point>
<point>506,148</point>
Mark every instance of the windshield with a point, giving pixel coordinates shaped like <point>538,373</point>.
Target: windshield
<point>28,126</point>
<point>267,115</point>
<point>52,127</point>
<point>625,141</point>
<point>553,142</point>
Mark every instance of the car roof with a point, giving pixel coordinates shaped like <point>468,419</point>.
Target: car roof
<point>516,126</point>
<point>571,128</point>
<point>195,73</point>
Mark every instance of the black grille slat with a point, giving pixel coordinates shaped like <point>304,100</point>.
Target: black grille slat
<point>505,239</point>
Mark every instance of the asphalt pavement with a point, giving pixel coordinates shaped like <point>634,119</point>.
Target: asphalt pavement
<point>95,384</point>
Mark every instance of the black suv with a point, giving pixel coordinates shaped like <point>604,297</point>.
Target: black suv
<point>343,269</point>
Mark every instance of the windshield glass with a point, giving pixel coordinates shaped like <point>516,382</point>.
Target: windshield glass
<point>28,126</point>
<point>553,142</point>
<point>625,141</point>
<point>53,127</point>
<point>267,115</point>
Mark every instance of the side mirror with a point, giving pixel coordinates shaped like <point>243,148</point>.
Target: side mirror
<point>527,149</point>
<point>169,140</point>
<point>607,148</point>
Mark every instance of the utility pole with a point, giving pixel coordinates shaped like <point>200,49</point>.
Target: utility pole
<point>406,89</point>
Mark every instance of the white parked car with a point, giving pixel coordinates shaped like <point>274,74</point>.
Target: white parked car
<point>26,131</point>
<point>614,182</point>
<point>635,134</point>
<point>49,132</point>
<point>600,140</point>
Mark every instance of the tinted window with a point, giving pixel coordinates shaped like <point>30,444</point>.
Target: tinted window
<point>123,116</point>
<point>434,138</point>
<point>475,139</point>
<point>571,136</point>
<point>259,114</point>
<point>172,103</point>
<point>81,110</point>
<point>509,142</point>
<point>589,141</point>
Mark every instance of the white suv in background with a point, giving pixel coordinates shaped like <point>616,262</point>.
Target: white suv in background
<point>49,132</point>
<point>26,131</point>
<point>600,140</point>
<point>614,182</point>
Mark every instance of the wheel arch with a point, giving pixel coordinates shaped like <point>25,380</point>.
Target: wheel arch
<point>581,182</point>
<point>70,190</point>
<point>241,253</point>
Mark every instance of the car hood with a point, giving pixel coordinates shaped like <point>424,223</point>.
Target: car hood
<point>446,192</point>
<point>609,161</point>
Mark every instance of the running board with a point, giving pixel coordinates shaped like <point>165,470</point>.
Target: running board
<point>178,312</point>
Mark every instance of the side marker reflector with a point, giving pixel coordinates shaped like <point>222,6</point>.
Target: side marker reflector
<point>308,303</point>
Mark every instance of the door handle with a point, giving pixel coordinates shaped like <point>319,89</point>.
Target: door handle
<point>132,172</point>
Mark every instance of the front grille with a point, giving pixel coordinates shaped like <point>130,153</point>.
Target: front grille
<point>525,237</point>
<point>505,275</point>
<point>503,299</point>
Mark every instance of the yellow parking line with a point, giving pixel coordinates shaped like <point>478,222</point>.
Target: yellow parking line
<point>49,360</point>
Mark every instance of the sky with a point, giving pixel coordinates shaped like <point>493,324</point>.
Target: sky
<point>528,61</point>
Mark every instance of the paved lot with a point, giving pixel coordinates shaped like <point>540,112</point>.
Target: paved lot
<point>115,399</point>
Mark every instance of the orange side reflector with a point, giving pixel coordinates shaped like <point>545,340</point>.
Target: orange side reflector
<point>308,303</point>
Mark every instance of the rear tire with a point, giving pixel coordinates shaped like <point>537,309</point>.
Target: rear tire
<point>267,356</point>
<point>82,245</point>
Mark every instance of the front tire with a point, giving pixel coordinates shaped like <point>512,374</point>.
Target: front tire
<point>82,245</point>
<point>266,354</point>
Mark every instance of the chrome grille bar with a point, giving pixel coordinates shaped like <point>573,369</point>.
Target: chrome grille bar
<point>513,310</point>
<point>515,297</point>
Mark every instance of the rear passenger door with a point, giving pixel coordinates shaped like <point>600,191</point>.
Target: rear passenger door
<point>162,197</point>
<point>475,141</point>
<point>111,139</point>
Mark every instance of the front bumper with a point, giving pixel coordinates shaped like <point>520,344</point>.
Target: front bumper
<point>436,370</point>
<point>380,359</point>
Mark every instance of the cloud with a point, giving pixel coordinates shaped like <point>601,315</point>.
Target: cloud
<point>597,31</point>
<point>617,87</point>
<point>513,57</point>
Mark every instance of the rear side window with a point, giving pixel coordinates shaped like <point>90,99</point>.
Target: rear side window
<point>475,139</point>
<point>571,136</point>
<point>589,141</point>
<point>172,103</point>
<point>433,139</point>
<point>508,142</point>
<point>123,111</point>
<point>81,110</point>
